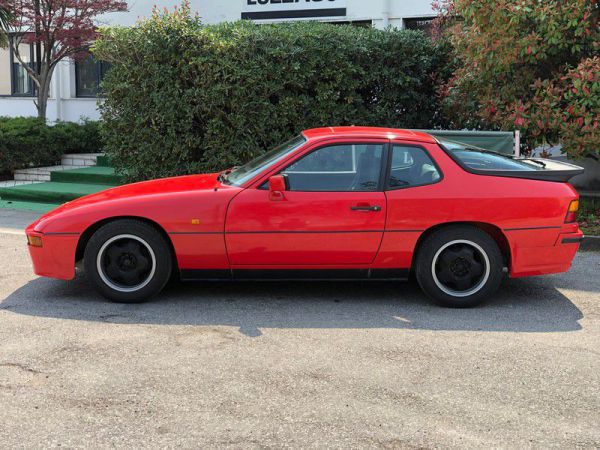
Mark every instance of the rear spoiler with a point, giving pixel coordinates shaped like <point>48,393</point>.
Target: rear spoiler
<point>552,170</point>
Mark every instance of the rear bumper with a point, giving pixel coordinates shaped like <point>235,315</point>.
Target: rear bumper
<point>530,260</point>
<point>56,257</point>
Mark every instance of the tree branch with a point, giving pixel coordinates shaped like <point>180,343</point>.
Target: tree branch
<point>32,73</point>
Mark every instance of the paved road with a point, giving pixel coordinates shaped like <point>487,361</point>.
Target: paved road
<point>12,221</point>
<point>298,365</point>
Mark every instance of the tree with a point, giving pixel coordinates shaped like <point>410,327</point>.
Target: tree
<point>528,64</point>
<point>58,29</point>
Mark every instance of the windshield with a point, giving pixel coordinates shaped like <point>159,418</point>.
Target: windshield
<point>480,159</point>
<point>240,175</point>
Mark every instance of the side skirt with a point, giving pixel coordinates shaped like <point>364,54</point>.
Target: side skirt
<point>294,274</point>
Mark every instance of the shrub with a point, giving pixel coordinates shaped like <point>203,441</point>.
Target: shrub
<point>78,137</point>
<point>529,65</point>
<point>29,142</point>
<point>184,98</point>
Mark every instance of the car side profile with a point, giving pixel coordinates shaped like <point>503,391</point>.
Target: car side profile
<point>338,203</point>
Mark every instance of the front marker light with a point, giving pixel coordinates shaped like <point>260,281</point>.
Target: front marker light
<point>572,212</point>
<point>34,241</point>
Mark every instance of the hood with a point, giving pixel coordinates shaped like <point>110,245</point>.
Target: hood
<point>143,189</point>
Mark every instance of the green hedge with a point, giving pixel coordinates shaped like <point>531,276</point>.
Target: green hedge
<point>29,142</point>
<point>78,137</point>
<point>184,98</point>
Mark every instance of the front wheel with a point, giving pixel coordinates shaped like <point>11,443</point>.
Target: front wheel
<point>127,261</point>
<point>459,266</point>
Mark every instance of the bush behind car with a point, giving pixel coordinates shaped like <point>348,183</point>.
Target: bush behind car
<point>183,97</point>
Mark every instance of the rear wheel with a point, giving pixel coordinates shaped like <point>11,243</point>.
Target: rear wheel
<point>459,266</point>
<point>127,261</point>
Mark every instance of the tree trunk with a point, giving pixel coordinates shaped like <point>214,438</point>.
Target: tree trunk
<point>43,92</point>
<point>42,100</point>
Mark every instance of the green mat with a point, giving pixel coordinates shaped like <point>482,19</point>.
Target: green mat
<point>27,206</point>
<point>89,175</point>
<point>65,185</point>
<point>50,192</point>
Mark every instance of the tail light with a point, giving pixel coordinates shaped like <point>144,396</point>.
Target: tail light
<point>572,212</point>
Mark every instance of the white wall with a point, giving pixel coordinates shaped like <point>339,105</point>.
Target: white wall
<point>73,110</point>
<point>70,108</point>
<point>215,11</point>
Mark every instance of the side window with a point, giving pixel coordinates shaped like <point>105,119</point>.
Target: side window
<point>411,166</point>
<point>352,167</point>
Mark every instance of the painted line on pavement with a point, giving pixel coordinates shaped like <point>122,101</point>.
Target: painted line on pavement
<point>12,231</point>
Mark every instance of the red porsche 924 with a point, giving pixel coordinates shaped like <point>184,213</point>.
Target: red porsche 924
<point>338,203</point>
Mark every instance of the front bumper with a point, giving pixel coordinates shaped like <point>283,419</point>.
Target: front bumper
<point>56,257</point>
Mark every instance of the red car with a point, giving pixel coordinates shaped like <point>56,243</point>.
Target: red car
<point>331,203</point>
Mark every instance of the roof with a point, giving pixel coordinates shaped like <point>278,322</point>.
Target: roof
<point>368,132</point>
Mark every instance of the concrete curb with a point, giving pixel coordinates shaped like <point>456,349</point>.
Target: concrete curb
<point>590,244</point>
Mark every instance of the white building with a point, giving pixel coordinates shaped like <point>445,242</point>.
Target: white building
<point>73,94</point>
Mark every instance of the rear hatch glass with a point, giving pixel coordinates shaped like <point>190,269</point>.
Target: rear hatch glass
<point>486,162</point>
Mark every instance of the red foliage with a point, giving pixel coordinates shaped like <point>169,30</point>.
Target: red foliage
<point>65,26</point>
<point>529,65</point>
<point>60,28</point>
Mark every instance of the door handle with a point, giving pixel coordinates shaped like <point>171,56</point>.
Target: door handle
<point>366,208</point>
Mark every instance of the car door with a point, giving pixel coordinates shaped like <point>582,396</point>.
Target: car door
<point>416,201</point>
<point>332,213</point>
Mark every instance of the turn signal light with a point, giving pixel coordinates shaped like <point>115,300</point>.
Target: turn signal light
<point>572,213</point>
<point>34,241</point>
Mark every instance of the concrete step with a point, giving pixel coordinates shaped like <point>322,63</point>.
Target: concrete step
<point>68,162</point>
<point>76,176</point>
<point>80,159</point>
<point>41,173</point>
<point>13,183</point>
<point>33,178</point>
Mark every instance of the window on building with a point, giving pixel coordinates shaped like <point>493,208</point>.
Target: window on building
<point>21,82</point>
<point>355,23</point>
<point>424,24</point>
<point>89,73</point>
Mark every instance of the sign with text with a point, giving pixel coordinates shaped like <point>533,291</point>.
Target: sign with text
<point>292,9</point>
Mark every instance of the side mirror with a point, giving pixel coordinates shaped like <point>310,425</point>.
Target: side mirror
<point>277,186</point>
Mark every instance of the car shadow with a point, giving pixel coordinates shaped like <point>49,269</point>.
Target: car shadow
<point>521,305</point>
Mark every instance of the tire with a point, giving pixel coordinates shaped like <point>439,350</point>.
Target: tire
<point>459,266</point>
<point>127,261</point>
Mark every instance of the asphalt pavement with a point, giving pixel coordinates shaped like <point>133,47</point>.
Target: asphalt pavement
<point>14,221</point>
<point>303,364</point>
